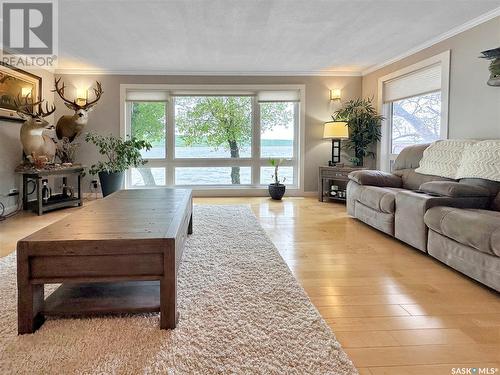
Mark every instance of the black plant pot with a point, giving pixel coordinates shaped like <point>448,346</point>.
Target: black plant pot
<point>276,191</point>
<point>111,182</point>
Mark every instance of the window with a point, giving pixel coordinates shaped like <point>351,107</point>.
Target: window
<point>147,177</point>
<point>218,138</point>
<point>277,129</point>
<point>415,120</point>
<point>148,123</point>
<point>213,126</point>
<point>414,102</point>
<point>213,176</point>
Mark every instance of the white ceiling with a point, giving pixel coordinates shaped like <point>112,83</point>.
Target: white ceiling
<point>251,36</point>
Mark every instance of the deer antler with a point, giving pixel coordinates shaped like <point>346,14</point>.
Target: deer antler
<point>24,106</point>
<point>47,112</point>
<point>28,108</point>
<point>60,92</point>
<point>98,93</point>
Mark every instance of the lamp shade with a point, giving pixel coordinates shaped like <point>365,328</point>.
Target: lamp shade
<point>336,130</point>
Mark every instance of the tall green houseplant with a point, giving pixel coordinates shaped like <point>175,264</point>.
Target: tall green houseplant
<point>364,127</point>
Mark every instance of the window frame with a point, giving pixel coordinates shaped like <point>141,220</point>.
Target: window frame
<point>385,157</point>
<point>171,162</point>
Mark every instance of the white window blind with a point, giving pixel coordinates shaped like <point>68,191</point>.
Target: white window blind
<point>278,96</point>
<point>422,81</point>
<point>146,96</point>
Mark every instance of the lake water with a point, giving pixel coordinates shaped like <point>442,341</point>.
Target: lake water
<point>280,151</point>
<point>214,175</point>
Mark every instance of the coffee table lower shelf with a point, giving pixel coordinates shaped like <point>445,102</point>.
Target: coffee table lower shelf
<point>103,298</point>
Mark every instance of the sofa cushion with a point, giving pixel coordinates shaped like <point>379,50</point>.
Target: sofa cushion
<point>492,186</point>
<point>409,157</point>
<point>454,189</point>
<point>375,178</point>
<point>379,198</point>
<point>412,180</point>
<point>476,228</point>
<point>442,158</point>
<point>495,205</point>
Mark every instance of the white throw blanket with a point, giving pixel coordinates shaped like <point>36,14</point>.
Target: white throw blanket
<point>443,158</point>
<point>482,160</point>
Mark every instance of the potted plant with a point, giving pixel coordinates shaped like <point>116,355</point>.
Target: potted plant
<point>120,155</point>
<point>277,188</point>
<point>364,127</point>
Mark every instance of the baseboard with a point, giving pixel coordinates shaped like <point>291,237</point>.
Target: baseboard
<point>310,194</point>
<point>91,196</point>
<point>226,193</point>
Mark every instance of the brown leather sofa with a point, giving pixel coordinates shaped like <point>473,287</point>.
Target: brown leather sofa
<point>455,221</point>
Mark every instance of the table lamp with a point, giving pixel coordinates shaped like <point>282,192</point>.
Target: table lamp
<point>336,131</point>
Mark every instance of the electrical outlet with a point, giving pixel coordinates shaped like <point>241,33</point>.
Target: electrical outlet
<point>13,192</point>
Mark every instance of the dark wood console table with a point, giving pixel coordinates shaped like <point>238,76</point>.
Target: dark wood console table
<point>57,200</point>
<point>336,176</point>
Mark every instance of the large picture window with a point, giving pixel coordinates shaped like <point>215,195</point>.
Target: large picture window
<point>414,103</point>
<point>222,138</point>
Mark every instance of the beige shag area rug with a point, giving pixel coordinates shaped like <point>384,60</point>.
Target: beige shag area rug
<point>241,312</point>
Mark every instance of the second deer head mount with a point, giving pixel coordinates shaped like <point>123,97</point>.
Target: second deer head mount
<point>70,126</point>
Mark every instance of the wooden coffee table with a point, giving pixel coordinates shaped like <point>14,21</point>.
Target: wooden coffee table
<point>118,255</point>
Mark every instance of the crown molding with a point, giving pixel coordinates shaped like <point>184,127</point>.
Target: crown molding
<point>324,73</point>
<point>455,31</point>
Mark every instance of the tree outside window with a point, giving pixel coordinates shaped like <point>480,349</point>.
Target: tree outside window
<point>416,120</point>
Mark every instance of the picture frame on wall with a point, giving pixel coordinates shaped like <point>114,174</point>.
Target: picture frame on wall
<point>16,82</point>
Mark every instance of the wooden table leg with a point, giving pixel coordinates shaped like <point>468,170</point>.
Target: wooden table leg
<point>168,290</point>
<point>190,226</point>
<point>30,299</point>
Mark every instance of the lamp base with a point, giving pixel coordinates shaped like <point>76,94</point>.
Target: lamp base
<point>332,164</point>
<point>335,152</point>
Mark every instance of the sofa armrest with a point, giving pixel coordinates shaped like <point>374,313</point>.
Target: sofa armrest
<point>454,189</point>
<point>376,178</point>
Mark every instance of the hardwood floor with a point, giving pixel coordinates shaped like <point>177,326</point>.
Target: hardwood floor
<point>395,310</point>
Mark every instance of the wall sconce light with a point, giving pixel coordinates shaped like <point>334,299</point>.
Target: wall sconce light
<point>82,96</point>
<point>335,94</point>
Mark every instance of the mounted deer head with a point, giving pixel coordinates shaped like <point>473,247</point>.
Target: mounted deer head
<point>35,142</point>
<point>71,126</point>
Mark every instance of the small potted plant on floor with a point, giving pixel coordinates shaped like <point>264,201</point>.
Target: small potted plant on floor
<point>120,155</point>
<point>277,188</point>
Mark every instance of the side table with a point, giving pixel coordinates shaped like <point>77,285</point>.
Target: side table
<point>56,200</point>
<point>334,176</point>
